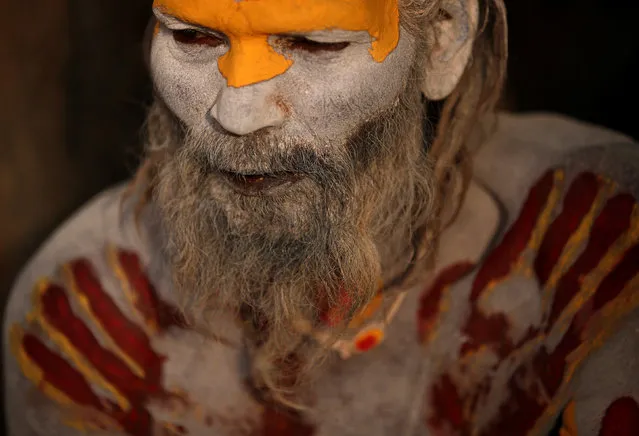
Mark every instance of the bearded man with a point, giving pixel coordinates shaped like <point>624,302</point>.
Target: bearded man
<point>307,251</point>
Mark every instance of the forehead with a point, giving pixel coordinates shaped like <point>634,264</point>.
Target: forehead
<point>380,18</point>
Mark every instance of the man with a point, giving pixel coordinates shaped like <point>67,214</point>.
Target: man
<point>302,253</point>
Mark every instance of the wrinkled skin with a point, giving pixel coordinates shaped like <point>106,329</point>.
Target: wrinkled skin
<point>323,98</point>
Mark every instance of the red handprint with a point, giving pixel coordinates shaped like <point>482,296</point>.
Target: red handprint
<point>109,381</point>
<point>583,257</point>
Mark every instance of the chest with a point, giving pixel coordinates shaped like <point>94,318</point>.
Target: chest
<point>379,392</point>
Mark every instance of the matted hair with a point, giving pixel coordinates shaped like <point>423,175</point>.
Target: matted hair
<point>472,101</point>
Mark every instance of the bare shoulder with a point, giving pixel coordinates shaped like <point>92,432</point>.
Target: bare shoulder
<point>568,191</point>
<point>86,234</point>
<point>62,310</point>
<point>524,147</point>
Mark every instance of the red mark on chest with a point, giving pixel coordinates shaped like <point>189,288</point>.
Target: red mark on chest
<point>67,380</point>
<point>146,301</point>
<point>500,261</point>
<point>430,302</point>
<point>520,411</point>
<point>447,407</point>
<point>493,329</point>
<point>621,418</point>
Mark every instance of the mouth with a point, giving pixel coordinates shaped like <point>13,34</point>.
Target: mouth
<point>258,184</point>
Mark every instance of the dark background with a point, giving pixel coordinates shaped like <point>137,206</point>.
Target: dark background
<point>74,90</point>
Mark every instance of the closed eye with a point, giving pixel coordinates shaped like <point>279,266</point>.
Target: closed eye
<point>305,44</point>
<point>194,37</point>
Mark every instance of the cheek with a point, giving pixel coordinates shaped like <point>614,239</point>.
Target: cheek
<point>338,99</point>
<point>188,89</point>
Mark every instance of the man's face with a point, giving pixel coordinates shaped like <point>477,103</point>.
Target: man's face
<point>313,70</point>
<point>295,169</point>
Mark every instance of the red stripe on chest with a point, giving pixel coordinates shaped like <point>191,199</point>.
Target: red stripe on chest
<point>128,336</point>
<point>57,311</point>
<point>447,407</point>
<point>551,367</point>
<point>611,223</point>
<point>500,261</point>
<point>147,302</point>
<point>59,373</point>
<point>577,203</point>
<point>518,414</point>
<point>430,302</point>
<point>481,329</point>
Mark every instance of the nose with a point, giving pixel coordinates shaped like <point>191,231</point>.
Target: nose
<point>248,109</point>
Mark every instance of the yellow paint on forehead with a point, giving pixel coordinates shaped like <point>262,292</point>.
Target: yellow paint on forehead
<point>248,24</point>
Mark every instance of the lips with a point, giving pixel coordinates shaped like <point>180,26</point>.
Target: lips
<point>258,184</point>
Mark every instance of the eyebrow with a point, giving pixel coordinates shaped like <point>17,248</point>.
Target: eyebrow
<point>339,34</point>
<point>167,18</point>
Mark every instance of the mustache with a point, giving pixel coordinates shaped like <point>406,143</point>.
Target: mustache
<point>263,153</point>
<point>270,151</point>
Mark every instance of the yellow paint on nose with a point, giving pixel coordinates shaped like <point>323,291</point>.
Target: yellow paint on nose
<point>249,23</point>
<point>251,59</point>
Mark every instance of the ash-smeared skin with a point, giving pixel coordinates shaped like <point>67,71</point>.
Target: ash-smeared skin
<point>322,99</point>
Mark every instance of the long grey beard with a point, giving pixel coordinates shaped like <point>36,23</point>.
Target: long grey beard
<point>278,259</point>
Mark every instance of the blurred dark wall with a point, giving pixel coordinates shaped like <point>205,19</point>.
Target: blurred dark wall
<point>73,89</point>
<point>577,57</point>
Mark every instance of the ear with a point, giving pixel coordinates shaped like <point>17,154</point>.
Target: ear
<point>451,39</point>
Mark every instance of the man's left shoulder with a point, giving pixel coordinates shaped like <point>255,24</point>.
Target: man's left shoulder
<point>523,148</point>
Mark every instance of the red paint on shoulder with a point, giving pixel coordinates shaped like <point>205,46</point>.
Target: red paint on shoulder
<point>611,223</point>
<point>57,311</point>
<point>57,372</point>
<point>621,418</point>
<point>60,374</point>
<point>614,283</point>
<point>147,302</point>
<point>278,423</point>
<point>128,336</point>
<point>430,301</point>
<point>500,261</point>
<point>551,367</point>
<point>481,329</point>
<point>577,202</point>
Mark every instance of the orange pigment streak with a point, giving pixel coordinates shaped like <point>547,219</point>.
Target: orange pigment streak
<point>249,23</point>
